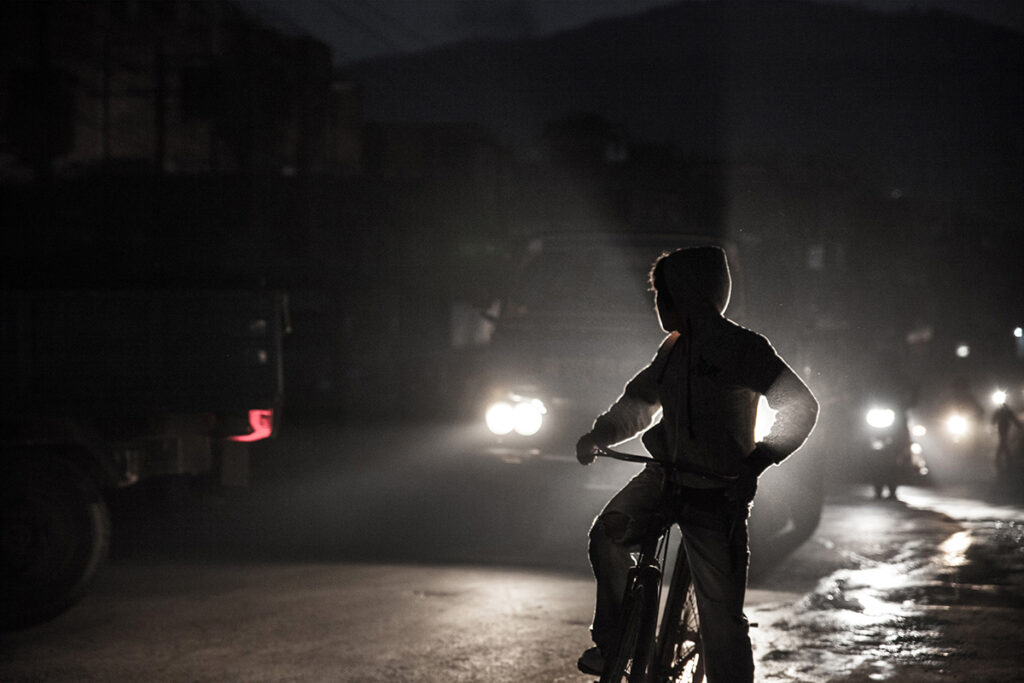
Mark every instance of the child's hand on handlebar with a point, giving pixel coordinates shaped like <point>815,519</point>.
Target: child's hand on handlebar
<point>587,449</point>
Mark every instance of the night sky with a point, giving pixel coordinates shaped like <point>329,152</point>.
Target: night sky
<point>357,29</point>
<point>927,101</point>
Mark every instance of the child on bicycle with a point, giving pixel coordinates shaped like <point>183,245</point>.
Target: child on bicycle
<point>706,379</point>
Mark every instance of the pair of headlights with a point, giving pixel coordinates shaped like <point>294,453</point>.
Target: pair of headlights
<point>524,416</point>
<point>957,425</point>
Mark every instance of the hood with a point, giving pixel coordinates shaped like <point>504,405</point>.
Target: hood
<point>697,279</point>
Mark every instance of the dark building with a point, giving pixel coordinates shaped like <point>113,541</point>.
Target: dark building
<point>169,86</point>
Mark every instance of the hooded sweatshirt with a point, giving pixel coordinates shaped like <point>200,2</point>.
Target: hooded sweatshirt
<point>706,380</point>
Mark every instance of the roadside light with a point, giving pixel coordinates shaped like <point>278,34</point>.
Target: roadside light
<point>963,351</point>
<point>999,397</point>
<point>880,418</point>
<point>956,425</point>
<point>916,449</point>
<point>918,430</point>
<point>1018,332</point>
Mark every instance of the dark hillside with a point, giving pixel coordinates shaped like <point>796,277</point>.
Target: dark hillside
<point>926,102</point>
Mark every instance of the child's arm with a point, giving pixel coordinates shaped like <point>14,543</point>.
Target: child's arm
<point>797,412</point>
<point>631,413</point>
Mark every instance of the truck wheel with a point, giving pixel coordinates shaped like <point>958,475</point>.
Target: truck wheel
<point>54,535</point>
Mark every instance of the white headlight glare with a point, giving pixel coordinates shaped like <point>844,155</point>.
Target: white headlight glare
<point>500,418</point>
<point>881,418</point>
<point>524,416</point>
<point>957,424</point>
<point>528,417</point>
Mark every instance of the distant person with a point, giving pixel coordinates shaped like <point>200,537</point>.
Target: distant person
<point>706,379</point>
<point>1004,419</point>
<point>892,463</point>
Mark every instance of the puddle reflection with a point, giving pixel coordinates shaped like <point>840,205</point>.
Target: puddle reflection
<point>954,549</point>
<point>922,591</point>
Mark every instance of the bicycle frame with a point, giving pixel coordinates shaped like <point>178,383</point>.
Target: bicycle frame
<point>652,654</point>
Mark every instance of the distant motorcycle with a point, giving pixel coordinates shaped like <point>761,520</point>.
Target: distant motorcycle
<point>893,456</point>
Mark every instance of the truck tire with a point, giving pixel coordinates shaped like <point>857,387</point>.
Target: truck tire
<point>54,535</point>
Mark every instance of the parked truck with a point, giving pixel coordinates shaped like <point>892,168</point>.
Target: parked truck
<point>104,389</point>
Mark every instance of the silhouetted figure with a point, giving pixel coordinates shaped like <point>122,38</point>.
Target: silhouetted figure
<point>1004,419</point>
<point>893,461</point>
<point>706,378</point>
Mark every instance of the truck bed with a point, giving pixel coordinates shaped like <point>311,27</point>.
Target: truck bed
<point>124,352</point>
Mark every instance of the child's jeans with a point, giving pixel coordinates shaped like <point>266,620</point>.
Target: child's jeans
<point>715,537</point>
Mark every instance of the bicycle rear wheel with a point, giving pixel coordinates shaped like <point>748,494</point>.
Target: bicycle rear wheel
<point>688,662</point>
<point>678,657</point>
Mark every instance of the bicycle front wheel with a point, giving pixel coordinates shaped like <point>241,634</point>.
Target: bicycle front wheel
<point>636,632</point>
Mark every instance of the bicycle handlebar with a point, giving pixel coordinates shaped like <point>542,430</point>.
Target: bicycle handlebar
<point>605,452</point>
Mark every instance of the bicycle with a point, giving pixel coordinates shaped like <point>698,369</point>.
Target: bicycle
<point>645,652</point>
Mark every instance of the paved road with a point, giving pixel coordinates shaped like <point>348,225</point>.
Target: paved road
<point>384,554</point>
<point>310,622</point>
<point>883,591</point>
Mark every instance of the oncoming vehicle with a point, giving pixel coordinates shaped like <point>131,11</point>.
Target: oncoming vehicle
<point>955,430</point>
<point>893,457</point>
<point>577,323</point>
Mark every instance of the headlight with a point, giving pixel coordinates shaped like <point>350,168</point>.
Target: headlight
<point>529,416</point>
<point>881,418</point>
<point>500,418</point>
<point>957,425</point>
<point>524,416</point>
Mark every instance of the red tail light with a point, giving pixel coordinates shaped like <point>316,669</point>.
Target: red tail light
<point>262,423</point>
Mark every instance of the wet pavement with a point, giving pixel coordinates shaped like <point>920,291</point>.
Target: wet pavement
<point>928,588</point>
